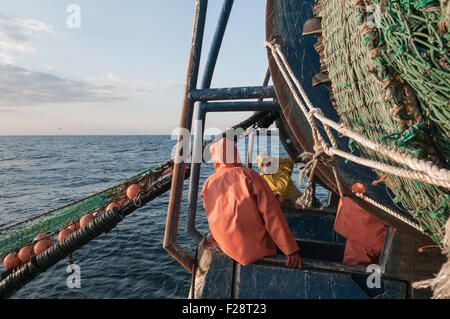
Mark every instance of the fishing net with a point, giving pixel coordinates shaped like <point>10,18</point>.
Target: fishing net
<point>416,47</point>
<point>388,65</point>
<point>18,235</point>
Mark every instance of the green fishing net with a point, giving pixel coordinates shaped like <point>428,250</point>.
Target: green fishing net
<point>20,234</point>
<point>388,62</point>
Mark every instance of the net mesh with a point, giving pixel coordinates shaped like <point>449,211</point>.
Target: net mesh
<point>388,65</point>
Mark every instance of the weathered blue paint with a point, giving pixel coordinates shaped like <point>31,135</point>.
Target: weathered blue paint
<point>234,93</point>
<point>216,43</point>
<point>240,106</point>
<point>218,276</point>
<point>213,277</point>
<point>323,274</point>
<point>312,226</point>
<point>197,43</point>
<point>267,282</point>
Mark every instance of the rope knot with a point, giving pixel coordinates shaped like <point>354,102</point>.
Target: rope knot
<point>314,110</point>
<point>273,45</point>
<point>307,167</point>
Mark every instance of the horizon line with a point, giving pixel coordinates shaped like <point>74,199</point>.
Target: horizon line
<point>10,135</point>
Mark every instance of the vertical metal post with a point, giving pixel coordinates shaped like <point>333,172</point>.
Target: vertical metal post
<point>251,137</point>
<point>250,150</point>
<point>266,77</point>
<point>179,171</point>
<point>198,137</point>
<point>216,43</point>
<point>197,158</point>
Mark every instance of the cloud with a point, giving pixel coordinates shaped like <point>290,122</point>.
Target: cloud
<point>19,87</point>
<point>15,34</point>
<point>135,86</point>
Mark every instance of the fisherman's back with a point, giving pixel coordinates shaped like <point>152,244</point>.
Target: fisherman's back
<point>239,206</point>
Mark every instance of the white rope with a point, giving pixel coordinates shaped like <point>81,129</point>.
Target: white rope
<point>397,171</point>
<point>441,282</point>
<point>390,211</point>
<point>424,171</point>
<point>425,166</point>
<point>319,143</point>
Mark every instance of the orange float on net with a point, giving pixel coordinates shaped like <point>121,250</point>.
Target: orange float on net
<point>25,253</point>
<point>122,202</point>
<point>74,226</point>
<point>11,261</point>
<point>167,171</point>
<point>133,190</point>
<point>64,233</point>
<point>43,237</point>
<point>43,242</point>
<point>98,212</point>
<point>358,188</point>
<point>86,219</point>
<point>111,205</point>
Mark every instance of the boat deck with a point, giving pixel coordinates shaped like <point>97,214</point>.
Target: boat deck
<point>323,274</point>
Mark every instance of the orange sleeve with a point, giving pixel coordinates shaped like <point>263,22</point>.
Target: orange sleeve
<point>275,222</point>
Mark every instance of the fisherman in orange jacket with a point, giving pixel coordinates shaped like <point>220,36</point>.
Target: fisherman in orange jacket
<point>244,217</point>
<point>365,233</point>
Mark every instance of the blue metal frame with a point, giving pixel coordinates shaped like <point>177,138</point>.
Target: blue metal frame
<point>203,95</point>
<point>249,92</point>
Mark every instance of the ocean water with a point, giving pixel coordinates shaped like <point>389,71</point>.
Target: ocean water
<point>38,173</point>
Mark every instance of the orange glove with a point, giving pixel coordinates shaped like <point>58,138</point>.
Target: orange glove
<point>294,260</point>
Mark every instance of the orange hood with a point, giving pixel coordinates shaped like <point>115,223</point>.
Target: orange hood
<point>225,154</point>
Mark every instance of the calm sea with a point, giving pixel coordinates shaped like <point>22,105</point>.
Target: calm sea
<point>38,173</point>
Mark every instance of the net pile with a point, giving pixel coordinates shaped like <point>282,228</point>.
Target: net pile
<point>388,65</point>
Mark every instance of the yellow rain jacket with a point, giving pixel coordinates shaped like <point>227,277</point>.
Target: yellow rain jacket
<point>280,182</point>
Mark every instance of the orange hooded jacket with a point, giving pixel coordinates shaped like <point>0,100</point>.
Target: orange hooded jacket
<point>244,216</point>
<point>365,233</point>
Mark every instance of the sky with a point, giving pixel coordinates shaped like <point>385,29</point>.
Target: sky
<point>122,71</point>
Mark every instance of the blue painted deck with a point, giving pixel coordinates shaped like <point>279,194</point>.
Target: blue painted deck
<point>221,278</point>
<point>323,276</point>
<point>314,225</point>
<point>307,284</point>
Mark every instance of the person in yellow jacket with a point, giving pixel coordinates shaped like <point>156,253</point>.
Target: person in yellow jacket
<point>277,174</point>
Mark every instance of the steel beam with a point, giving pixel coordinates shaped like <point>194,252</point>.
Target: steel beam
<point>234,93</point>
